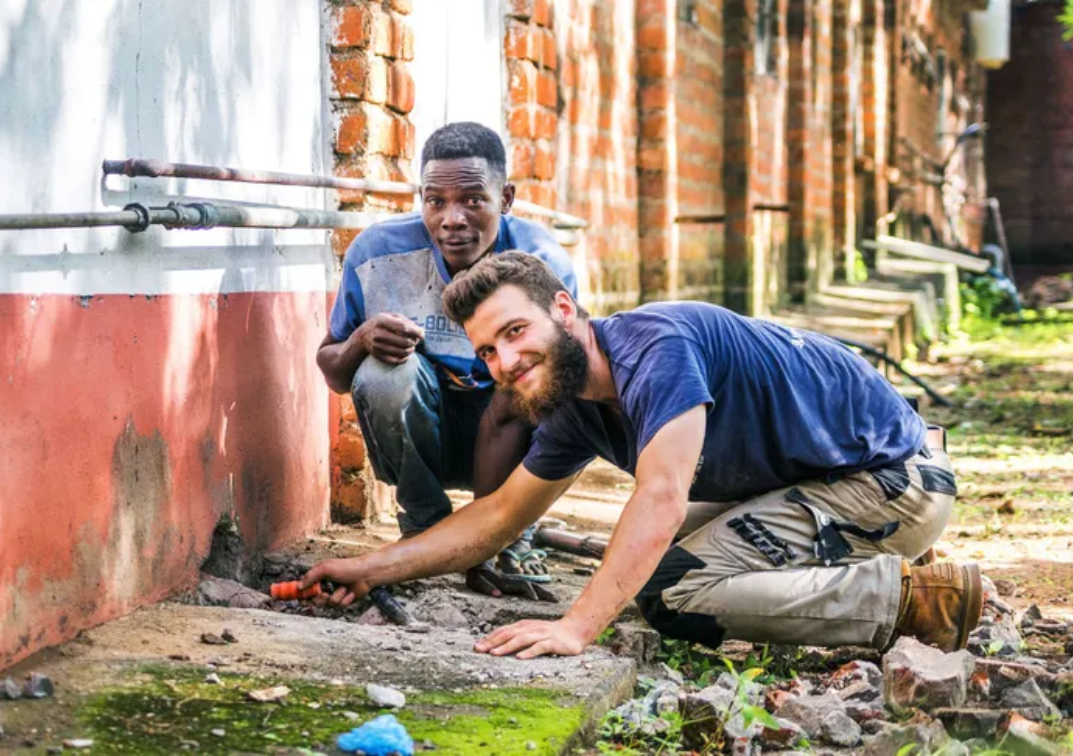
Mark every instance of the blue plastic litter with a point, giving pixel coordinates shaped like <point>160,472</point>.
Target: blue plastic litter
<point>382,736</point>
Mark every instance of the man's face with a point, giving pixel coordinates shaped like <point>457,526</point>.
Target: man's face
<point>461,201</point>
<point>528,351</point>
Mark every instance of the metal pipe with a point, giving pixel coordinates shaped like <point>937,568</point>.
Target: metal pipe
<point>587,546</point>
<point>192,215</point>
<point>16,221</point>
<point>144,168</point>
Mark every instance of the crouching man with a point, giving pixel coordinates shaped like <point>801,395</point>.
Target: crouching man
<point>428,411</point>
<point>783,487</point>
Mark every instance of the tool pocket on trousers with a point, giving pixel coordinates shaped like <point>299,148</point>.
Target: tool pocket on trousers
<point>830,546</point>
<point>937,480</point>
<point>754,532</point>
<point>893,479</point>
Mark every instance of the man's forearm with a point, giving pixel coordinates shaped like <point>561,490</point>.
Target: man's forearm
<point>643,534</point>
<point>339,361</point>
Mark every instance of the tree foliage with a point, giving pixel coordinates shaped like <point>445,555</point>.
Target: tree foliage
<point>1067,20</point>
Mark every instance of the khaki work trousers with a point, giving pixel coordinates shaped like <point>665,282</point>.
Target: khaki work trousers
<point>749,570</point>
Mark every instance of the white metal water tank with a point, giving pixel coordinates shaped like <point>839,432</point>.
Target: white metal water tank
<point>991,33</point>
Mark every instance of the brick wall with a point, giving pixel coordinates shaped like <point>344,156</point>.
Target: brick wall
<point>529,48</point>
<point>657,147</point>
<point>372,93</point>
<point>809,129</point>
<point>845,20</point>
<point>596,170</point>
<point>935,95</point>
<point>1030,140</point>
<point>699,108</point>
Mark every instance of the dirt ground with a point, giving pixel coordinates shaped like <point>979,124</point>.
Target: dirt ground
<point>1010,431</point>
<point>1010,426</point>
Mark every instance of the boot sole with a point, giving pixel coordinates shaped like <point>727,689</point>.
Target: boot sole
<point>974,604</point>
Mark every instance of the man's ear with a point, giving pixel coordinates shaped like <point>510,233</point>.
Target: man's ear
<point>564,309</point>
<point>507,198</point>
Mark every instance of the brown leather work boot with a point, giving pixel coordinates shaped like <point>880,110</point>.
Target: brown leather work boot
<point>941,603</point>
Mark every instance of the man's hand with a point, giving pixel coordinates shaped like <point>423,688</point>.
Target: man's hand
<point>487,580</point>
<point>529,639</point>
<point>389,337</point>
<point>347,574</point>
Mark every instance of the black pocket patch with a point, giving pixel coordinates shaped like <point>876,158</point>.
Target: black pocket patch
<point>937,480</point>
<point>893,479</point>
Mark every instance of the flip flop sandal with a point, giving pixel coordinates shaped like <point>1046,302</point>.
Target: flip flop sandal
<point>529,556</point>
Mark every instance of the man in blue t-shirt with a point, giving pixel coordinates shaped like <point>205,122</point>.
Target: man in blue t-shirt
<point>423,399</point>
<point>783,486</point>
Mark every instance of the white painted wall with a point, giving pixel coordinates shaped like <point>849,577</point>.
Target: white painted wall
<point>227,82</point>
<point>458,70</point>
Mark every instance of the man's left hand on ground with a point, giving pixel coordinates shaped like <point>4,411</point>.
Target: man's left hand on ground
<point>529,639</point>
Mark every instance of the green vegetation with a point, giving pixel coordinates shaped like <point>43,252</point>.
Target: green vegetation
<point>165,708</point>
<point>663,734</point>
<point>1067,20</point>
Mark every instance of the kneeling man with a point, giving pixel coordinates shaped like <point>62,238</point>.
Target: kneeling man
<point>783,487</point>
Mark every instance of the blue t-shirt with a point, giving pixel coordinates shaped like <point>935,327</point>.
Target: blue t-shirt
<point>393,267</point>
<point>783,405</point>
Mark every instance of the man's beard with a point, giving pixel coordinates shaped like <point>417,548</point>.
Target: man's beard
<point>566,368</point>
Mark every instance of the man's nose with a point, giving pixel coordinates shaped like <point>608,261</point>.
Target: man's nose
<point>454,217</point>
<point>508,358</point>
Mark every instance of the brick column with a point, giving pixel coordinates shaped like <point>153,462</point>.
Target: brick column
<point>809,145</point>
<point>875,86</point>
<point>657,155</point>
<point>533,98</point>
<point>799,23</point>
<point>843,226</point>
<point>372,93</point>
<point>738,24</point>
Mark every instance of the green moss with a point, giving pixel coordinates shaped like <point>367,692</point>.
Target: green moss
<point>163,708</point>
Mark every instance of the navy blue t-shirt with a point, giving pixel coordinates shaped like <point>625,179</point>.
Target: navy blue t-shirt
<point>783,405</point>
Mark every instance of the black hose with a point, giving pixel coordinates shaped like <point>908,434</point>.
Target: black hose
<point>881,354</point>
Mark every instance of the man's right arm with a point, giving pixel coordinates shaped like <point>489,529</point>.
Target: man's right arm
<point>388,337</point>
<point>469,536</point>
<point>338,360</point>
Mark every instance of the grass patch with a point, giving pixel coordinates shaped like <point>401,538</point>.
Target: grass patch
<point>165,709</point>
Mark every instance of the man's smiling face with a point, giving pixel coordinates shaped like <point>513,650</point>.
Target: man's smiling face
<point>528,351</point>
<point>461,202</point>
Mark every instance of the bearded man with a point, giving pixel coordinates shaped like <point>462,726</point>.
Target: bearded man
<point>783,487</point>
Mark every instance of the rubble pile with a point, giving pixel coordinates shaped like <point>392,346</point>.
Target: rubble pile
<point>994,694</point>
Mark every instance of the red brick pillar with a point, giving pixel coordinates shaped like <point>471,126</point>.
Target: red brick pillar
<point>372,93</point>
<point>657,161</point>
<point>799,23</point>
<point>739,24</point>
<point>875,95</point>
<point>533,99</point>
<point>808,131</point>
<point>843,196</point>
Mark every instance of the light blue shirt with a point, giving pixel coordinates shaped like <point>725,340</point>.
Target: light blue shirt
<point>394,267</point>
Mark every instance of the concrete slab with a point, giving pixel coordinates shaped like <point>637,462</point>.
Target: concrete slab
<point>156,659</point>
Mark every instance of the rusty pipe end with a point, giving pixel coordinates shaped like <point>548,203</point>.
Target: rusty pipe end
<point>134,168</point>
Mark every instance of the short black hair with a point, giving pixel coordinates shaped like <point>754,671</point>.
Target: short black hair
<point>466,139</point>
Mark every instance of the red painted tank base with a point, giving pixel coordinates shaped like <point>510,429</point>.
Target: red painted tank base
<point>131,424</point>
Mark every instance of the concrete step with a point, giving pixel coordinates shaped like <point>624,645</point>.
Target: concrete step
<point>918,295</point>
<point>943,277</point>
<point>902,312</point>
<point>137,685</point>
